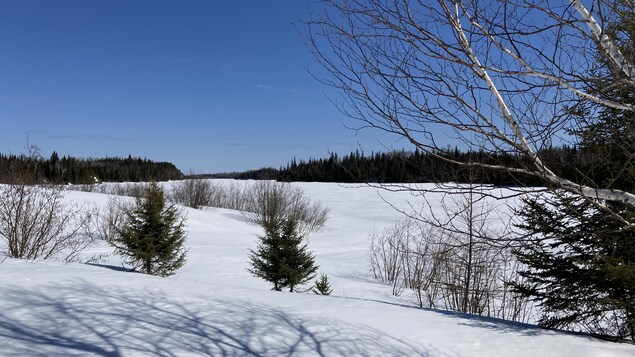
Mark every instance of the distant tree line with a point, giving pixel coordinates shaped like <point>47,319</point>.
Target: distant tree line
<point>404,167</point>
<point>68,169</point>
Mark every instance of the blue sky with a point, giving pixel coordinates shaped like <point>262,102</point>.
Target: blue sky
<point>208,85</point>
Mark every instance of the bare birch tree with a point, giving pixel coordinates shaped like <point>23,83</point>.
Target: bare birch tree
<point>509,75</point>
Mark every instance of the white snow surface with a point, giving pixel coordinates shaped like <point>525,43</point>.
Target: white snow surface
<point>214,307</point>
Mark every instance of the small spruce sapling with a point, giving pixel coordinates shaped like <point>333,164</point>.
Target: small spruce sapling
<point>322,285</point>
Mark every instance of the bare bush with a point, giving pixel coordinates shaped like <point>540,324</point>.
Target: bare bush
<point>136,190</point>
<point>130,189</point>
<point>262,203</point>
<point>406,255</point>
<point>196,193</point>
<point>232,196</point>
<point>35,223</point>
<point>268,202</point>
<point>108,220</point>
<point>448,270</point>
<point>423,260</point>
<point>386,250</point>
<point>83,187</point>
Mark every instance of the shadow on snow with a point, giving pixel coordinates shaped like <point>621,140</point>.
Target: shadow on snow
<point>84,318</point>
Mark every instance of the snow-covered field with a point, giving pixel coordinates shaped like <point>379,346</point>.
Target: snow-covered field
<point>214,307</point>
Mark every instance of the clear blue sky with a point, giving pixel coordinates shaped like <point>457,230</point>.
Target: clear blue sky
<point>208,85</point>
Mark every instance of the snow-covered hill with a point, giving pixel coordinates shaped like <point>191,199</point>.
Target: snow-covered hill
<point>214,307</point>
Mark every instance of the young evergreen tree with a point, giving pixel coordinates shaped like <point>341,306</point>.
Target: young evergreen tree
<point>153,236</point>
<point>281,257</point>
<point>267,262</point>
<point>322,285</point>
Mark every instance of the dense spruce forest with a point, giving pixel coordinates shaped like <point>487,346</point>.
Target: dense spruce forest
<point>356,167</point>
<point>408,167</point>
<point>68,169</point>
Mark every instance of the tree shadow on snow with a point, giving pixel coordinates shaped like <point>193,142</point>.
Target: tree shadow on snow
<point>86,319</point>
<point>238,217</point>
<point>112,267</point>
<point>477,321</point>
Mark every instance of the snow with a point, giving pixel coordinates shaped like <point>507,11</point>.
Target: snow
<point>214,307</point>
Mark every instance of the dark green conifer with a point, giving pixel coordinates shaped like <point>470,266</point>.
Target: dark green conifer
<point>153,236</point>
<point>322,285</point>
<point>281,257</point>
<point>581,265</point>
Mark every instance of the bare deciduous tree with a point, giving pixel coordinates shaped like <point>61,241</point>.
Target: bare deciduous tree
<point>510,76</point>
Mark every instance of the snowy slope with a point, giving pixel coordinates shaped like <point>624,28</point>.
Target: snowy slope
<point>213,307</point>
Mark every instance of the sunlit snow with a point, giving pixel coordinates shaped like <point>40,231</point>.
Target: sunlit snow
<point>214,307</point>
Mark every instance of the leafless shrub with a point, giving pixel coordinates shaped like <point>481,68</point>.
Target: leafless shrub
<point>107,220</point>
<point>136,189</point>
<point>476,247</point>
<point>407,256</point>
<point>448,270</point>
<point>35,223</point>
<point>232,196</point>
<point>130,189</point>
<point>267,202</point>
<point>386,259</point>
<point>196,193</point>
<point>262,202</point>
<point>83,187</point>
<point>512,305</point>
<point>423,258</point>
<point>470,276</point>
